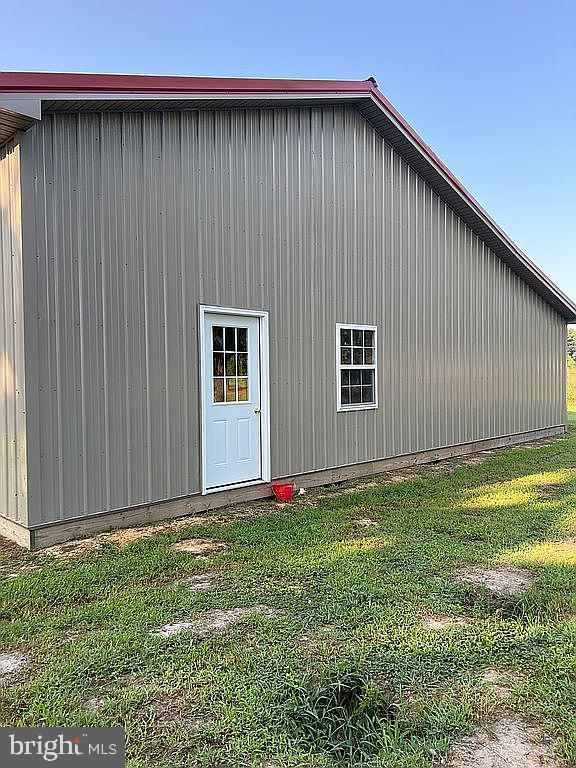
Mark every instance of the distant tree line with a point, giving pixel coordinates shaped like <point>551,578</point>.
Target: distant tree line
<point>572,344</point>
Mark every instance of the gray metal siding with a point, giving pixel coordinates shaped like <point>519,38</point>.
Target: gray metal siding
<point>13,468</point>
<point>308,213</point>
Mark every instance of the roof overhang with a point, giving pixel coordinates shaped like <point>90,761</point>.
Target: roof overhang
<point>17,114</point>
<point>24,97</point>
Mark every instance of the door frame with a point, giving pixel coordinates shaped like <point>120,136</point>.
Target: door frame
<point>263,328</point>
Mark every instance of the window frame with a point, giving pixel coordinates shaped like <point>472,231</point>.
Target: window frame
<point>339,368</point>
<point>236,376</point>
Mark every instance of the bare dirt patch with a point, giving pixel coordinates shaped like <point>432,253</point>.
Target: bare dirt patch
<point>121,537</point>
<point>22,569</point>
<point>10,664</point>
<point>500,681</point>
<point>444,621</point>
<point>9,549</point>
<point>128,535</point>
<point>500,580</point>
<point>211,622</point>
<point>365,522</point>
<point>199,546</point>
<point>537,443</point>
<point>200,582</point>
<point>507,743</point>
<point>75,548</point>
<point>93,704</point>
<point>361,487</point>
<point>171,709</point>
<point>124,536</point>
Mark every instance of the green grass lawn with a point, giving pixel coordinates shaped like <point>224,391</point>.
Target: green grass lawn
<point>342,671</point>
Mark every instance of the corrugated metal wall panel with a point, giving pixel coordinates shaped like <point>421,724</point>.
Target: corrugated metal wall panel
<point>307,213</point>
<point>13,467</point>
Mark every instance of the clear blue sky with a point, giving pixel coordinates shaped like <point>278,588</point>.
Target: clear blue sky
<point>491,86</point>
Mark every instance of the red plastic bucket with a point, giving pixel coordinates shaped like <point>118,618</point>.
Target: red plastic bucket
<point>283,491</point>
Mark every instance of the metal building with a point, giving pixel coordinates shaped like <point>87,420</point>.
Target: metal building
<point>208,284</point>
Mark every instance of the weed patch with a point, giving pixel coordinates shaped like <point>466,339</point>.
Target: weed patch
<point>345,714</point>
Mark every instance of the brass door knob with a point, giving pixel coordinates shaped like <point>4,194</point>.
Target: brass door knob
<point>257,410</point>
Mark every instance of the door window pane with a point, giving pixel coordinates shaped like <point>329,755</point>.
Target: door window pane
<point>242,339</point>
<point>229,364</point>
<point>218,364</point>
<point>218,390</point>
<point>230,339</point>
<point>231,390</point>
<point>242,364</point>
<point>242,389</point>
<point>217,338</point>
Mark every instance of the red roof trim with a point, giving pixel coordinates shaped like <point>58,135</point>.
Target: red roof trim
<point>47,82</point>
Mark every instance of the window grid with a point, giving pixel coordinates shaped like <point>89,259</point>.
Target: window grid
<point>229,364</point>
<point>356,367</point>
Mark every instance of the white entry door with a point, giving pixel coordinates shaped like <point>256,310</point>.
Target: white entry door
<point>232,406</point>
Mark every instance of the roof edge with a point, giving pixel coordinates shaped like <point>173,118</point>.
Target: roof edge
<point>56,82</point>
<point>441,179</point>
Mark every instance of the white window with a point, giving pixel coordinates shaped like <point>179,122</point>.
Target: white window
<point>356,367</point>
